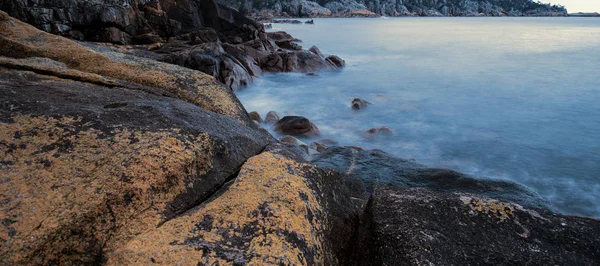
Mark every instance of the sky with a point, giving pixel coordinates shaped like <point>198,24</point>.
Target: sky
<point>574,6</point>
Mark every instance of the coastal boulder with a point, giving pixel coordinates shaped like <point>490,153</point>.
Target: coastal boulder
<point>89,162</point>
<point>272,117</point>
<point>278,210</point>
<point>358,103</point>
<point>418,226</point>
<point>296,126</point>
<point>378,131</point>
<point>295,142</point>
<point>255,116</point>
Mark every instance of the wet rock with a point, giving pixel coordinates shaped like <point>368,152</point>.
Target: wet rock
<point>330,142</point>
<point>255,116</point>
<point>336,61</point>
<point>296,142</point>
<point>377,167</point>
<point>309,22</point>
<point>418,226</point>
<point>288,21</point>
<point>378,131</point>
<point>296,126</point>
<point>358,104</point>
<point>315,50</point>
<point>272,117</point>
<point>319,147</point>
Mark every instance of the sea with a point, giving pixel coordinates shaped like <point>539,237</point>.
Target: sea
<point>511,98</point>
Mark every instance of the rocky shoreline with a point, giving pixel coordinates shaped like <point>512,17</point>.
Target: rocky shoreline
<point>136,151</point>
<point>392,8</point>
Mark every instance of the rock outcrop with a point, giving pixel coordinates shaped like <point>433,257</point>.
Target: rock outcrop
<point>273,213</point>
<point>421,227</point>
<point>418,215</point>
<point>96,147</point>
<point>198,34</point>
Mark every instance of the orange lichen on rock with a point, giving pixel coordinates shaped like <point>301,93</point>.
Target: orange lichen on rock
<point>490,207</point>
<point>269,215</point>
<point>20,40</point>
<point>70,192</point>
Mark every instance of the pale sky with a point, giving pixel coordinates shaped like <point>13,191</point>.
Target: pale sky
<point>574,6</point>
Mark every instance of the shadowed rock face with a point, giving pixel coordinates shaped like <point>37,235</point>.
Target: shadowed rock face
<point>419,226</point>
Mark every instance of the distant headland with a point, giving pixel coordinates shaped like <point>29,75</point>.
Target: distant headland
<point>393,8</point>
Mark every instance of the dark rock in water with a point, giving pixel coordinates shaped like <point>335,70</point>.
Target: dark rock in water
<point>378,131</point>
<point>336,61</point>
<point>282,36</point>
<point>272,117</point>
<point>296,126</point>
<point>288,21</point>
<point>312,74</point>
<point>315,50</point>
<point>295,142</point>
<point>378,167</point>
<point>255,116</point>
<point>424,227</point>
<point>309,22</point>
<point>358,103</point>
<point>319,147</point>
<point>354,148</point>
<point>328,142</point>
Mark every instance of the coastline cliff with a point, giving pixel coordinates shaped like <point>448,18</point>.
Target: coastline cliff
<point>366,8</point>
<point>112,155</point>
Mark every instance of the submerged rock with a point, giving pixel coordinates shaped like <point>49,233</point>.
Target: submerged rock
<point>319,147</point>
<point>296,142</point>
<point>377,167</point>
<point>378,131</point>
<point>296,126</point>
<point>358,103</point>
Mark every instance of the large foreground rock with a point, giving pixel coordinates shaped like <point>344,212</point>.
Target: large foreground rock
<point>277,211</point>
<point>97,147</point>
<point>421,227</point>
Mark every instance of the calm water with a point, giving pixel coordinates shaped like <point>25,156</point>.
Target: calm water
<point>501,98</point>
